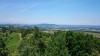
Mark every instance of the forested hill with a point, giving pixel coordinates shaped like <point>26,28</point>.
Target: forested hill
<point>35,42</point>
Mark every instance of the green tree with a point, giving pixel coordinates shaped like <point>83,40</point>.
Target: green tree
<point>3,51</point>
<point>56,45</point>
<point>80,44</point>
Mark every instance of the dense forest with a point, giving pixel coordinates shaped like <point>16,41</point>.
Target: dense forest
<point>35,42</point>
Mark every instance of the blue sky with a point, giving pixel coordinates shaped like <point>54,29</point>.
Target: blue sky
<point>69,12</point>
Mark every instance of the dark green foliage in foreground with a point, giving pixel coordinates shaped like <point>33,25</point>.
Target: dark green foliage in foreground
<point>43,44</point>
<point>34,42</point>
<point>56,45</point>
<point>60,44</point>
<point>3,51</point>
<point>80,44</point>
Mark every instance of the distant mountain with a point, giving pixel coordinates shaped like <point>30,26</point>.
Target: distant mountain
<point>54,26</point>
<point>47,25</point>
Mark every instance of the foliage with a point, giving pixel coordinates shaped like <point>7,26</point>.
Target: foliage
<point>35,42</point>
<point>12,43</point>
<point>80,44</point>
<point>3,51</point>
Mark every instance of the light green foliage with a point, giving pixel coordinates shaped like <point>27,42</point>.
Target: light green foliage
<point>12,42</point>
<point>56,46</point>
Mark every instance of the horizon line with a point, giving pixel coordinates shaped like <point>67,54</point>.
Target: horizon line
<point>48,23</point>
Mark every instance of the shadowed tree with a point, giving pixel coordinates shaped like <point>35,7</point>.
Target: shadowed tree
<point>2,48</point>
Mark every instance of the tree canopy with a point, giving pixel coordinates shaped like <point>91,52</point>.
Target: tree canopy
<point>35,42</point>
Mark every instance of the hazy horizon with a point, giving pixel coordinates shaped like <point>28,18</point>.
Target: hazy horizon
<point>63,12</point>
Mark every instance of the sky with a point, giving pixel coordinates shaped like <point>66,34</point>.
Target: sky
<point>69,12</point>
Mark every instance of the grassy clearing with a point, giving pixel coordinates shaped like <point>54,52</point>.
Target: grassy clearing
<point>12,42</point>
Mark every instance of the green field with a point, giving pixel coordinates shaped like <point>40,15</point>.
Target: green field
<point>12,42</point>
